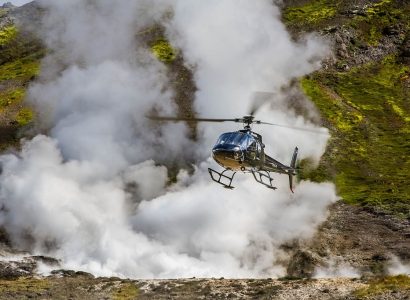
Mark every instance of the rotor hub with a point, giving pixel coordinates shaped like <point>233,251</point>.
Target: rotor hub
<point>248,120</point>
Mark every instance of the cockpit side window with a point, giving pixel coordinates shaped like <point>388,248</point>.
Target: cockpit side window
<point>245,141</point>
<point>237,138</point>
<point>224,138</point>
<point>252,146</point>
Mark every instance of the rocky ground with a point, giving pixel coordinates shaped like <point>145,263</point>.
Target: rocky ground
<point>356,237</point>
<point>78,285</point>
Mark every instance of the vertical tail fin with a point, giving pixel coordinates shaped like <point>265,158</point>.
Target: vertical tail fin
<point>293,166</point>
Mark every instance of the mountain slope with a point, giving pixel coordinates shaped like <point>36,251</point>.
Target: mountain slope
<point>363,96</point>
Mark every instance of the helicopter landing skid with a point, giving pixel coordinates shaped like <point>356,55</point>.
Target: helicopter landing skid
<point>261,177</point>
<point>217,177</point>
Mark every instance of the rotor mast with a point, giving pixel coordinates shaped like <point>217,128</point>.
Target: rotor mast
<point>247,121</point>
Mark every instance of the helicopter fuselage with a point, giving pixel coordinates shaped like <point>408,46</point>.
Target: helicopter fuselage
<point>244,150</point>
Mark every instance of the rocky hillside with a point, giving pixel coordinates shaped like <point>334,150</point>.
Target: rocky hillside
<point>362,94</point>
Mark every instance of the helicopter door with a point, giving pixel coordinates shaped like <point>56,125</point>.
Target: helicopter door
<point>252,150</point>
<point>258,151</point>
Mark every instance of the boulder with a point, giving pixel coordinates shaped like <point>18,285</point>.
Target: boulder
<point>303,264</point>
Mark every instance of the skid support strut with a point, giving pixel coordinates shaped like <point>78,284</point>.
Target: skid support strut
<point>260,177</point>
<point>218,178</point>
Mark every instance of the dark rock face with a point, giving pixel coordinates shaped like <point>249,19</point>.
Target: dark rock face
<point>15,269</point>
<point>364,239</point>
<point>7,5</point>
<point>405,50</point>
<point>17,264</point>
<point>303,264</point>
<point>28,16</point>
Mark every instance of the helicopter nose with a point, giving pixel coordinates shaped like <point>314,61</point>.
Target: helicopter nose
<point>222,154</point>
<point>228,157</point>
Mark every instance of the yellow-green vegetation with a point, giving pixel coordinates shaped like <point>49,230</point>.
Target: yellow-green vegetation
<point>23,69</point>
<point>126,291</point>
<point>10,97</point>
<point>24,285</point>
<point>377,7</point>
<point>378,17</point>
<point>400,283</point>
<point>7,34</point>
<point>24,116</point>
<point>369,112</point>
<point>163,50</point>
<point>3,12</point>
<point>312,12</point>
<point>20,56</point>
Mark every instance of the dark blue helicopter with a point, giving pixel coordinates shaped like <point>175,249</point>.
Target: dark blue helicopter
<point>244,151</point>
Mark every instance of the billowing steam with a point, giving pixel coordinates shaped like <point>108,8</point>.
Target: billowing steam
<point>336,267</point>
<point>396,267</point>
<point>94,193</point>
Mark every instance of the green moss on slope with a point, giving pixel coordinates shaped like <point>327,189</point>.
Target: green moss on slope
<point>379,18</point>
<point>20,55</point>
<point>10,97</point>
<point>400,283</point>
<point>28,286</point>
<point>7,34</point>
<point>311,13</point>
<point>163,51</point>
<point>369,112</point>
<point>126,291</point>
<point>23,69</point>
<point>24,116</point>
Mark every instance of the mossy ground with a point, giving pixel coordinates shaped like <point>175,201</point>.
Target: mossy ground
<point>380,18</point>
<point>20,55</point>
<point>371,21</point>
<point>24,116</point>
<point>10,97</point>
<point>28,285</point>
<point>310,13</point>
<point>7,34</point>
<point>87,287</point>
<point>376,287</point>
<point>22,69</point>
<point>126,291</point>
<point>76,286</point>
<point>163,50</point>
<point>368,111</point>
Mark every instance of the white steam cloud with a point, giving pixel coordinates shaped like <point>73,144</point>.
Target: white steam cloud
<point>396,267</point>
<point>94,193</point>
<point>336,267</point>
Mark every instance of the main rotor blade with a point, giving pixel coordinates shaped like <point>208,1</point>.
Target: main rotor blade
<point>177,119</point>
<point>291,127</point>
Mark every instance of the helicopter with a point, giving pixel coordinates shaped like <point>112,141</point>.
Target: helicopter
<point>244,151</point>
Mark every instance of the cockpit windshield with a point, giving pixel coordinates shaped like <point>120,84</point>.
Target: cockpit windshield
<point>235,138</point>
